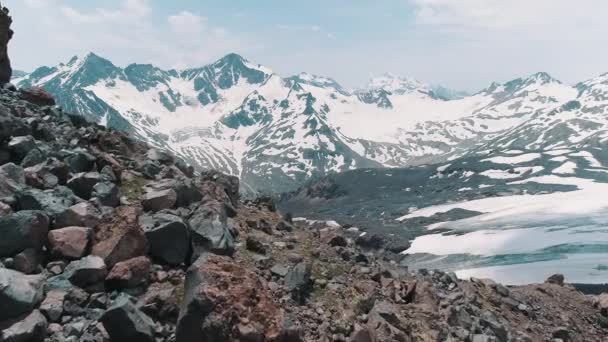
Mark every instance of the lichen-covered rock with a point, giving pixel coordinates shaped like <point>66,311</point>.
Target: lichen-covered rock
<point>22,230</point>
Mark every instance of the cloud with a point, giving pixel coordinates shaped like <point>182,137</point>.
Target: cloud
<point>187,23</point>
<point>538,17</point>
<point>129,10</point>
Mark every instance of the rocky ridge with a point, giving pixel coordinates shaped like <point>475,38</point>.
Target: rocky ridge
<point>107,239</point>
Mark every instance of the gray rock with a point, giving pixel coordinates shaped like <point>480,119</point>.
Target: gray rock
<point>210,231</point>
<point>87,271</point>
<point>557,279</point>
<point>12,179</point>
<point>52,202</point>
<point>82,184</point>
<point>298,277</point>
<point>107,193</point>
<point>33,157</point>
<point>150,169</point>
<point>20,146</point>
<point>168,237</point>
<point>19,293</point>
<point>52,306</point>
<point>31,328</point>
<point>83,214</point>
<point>159,200</point>
<point>22,230</point>
<point>28,261</point>
<point>124,322</point>
<point>80,161</point>
<point>279,270</point>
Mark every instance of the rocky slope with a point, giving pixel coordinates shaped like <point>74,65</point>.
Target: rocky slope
<point>276,133</point>
<point>107,239</point>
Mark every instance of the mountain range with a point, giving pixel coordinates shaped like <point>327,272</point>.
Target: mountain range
<point>278,132</point>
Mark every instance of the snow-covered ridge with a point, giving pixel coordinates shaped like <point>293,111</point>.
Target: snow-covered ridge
<point>275,132</point>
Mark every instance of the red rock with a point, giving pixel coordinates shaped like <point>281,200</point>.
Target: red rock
<point>70,242</point>
<point>37,95</point>
<point>130,273</point>
<point>119,237</point>
<point>219,295</point>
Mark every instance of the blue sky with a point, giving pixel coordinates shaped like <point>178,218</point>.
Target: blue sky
<point>463,44</point>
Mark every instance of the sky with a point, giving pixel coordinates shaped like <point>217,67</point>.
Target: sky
<point>461,44</point>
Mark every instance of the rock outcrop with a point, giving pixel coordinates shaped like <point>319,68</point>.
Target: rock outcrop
<point>6,34</point>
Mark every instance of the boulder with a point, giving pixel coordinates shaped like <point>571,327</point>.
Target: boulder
<point>83,214</point>
<point>129,273</point>
<point>298,277</point>
<point>107,193</point>
<point>19,147</point>
<point>29,328</point>
<point>124,322</point>
<point>86,272</point>
<point>70,242</point>
<point>557,279</point>
<point>52,202</point>
<point>210,231</point>
<point>159,200</point>
<point>33,157</point>
<point>12,179</point>
<point>82,184</point>
<point>80,161</point>
<point>22,230</point>
<point>119,237</point>
<point>19,293</point>
<point>217,296</point>
<point>602,302</point>
<point>28,261</point>
<point>168,238</point>
<point>52,306</point>
<point>37,95</point>
<point>161,300</point>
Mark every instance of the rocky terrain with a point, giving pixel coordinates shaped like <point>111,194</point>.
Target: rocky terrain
<point>106,239</point>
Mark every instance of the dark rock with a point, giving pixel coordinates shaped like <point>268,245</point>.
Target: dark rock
<point>168,237</point>
<point>557,279</point>
<point>107,193</point>
<point>28,261</point>
<point>19,147</point>
<point>82,184</point>
<point>255,245</point>
<point>30,328</point>
<point>119,237</point>
<point>70,242</point>
<point>284,226</point>
<point>159,200</point>
<point>83,214</point>
<point>298,277</point>
<point>371,241</point>
<point>33,157</point>
<point>87,271</point>
<point>19,293</point>
<point>124,322</point>
<point>338,241</point>
<point>150,169</point>
<point>186,169</point>
<point>210,231</point>
<point>22,230</point>
<point>129,273</point>
<point>6,34</point>
<point>52,202</point>
<point>80,162</point>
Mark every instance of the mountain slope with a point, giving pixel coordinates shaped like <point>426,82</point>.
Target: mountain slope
<point>276,133</point>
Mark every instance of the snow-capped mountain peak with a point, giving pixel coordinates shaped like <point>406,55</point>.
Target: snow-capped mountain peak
<point>276,133</point>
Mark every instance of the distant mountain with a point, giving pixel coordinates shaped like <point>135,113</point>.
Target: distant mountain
<point>18,74</point>
<point>276,133</point>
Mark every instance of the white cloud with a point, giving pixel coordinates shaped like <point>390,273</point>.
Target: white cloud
<point>129,10</point>
<point>187,23</point>
<point>537,17</point>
